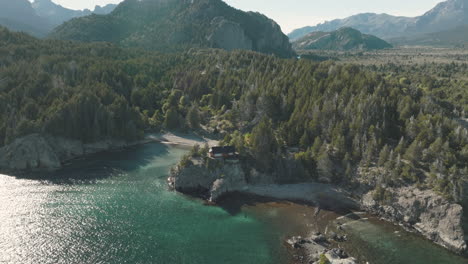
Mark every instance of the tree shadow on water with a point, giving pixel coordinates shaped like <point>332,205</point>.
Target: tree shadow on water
<point>90,168</point>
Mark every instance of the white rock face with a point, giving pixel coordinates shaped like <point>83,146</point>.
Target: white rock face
<point>425,211</point>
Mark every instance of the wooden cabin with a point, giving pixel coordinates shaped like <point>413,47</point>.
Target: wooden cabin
<point>226,152</point>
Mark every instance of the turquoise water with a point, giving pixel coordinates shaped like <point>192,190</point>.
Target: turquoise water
<point>117,209</point>
<point>375,241</point>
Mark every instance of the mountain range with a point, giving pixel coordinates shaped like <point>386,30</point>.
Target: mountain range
<point>343,39</point>
<point>19,15</point>
<point>456,37</point>
<point>172,25</point>
<point>58,14</point>
<point>444,16</point>
<point>41,16</point>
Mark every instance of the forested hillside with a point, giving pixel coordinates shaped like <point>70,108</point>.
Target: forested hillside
<point>341,39</point>
<point>401,121</point>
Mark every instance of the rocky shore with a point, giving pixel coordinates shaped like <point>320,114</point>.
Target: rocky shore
<point>318,247</point>
<point>423,211</point>
<point>39,151</point>
<point>417,210</point>
<point>46,152</point>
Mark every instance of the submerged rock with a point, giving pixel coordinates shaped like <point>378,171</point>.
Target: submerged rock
<point>425,211</point>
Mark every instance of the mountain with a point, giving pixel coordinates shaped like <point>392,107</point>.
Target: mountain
<point>444,16</point>
<point>18,15</point>
<point>381,25</point>
<point>171,25</point>
<point>104,10</point>
<point>57,14</point>
<point>40,17</point>
<point>456,37</point>
<point>342,39</point>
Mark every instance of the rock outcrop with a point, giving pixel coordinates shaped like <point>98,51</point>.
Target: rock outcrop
<point>38,151</point>
<point>228,35</point>
<point>29,153</point>
<point>317,245</point>
<point>424,211</point>
<point>210,183</point>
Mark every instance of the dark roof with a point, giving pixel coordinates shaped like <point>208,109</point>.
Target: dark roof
<point>222,150</point>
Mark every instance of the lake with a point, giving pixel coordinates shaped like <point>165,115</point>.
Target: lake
<point>116,208</point>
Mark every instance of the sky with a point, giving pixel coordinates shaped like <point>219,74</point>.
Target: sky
<point>292,14</point>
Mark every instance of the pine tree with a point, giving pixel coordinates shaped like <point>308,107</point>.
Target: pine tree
<point>384,155</point>
<point>263,143</point>
<point>400,148</point>
<point>304,142</point>
<point>325,167</point>
<point>193,118</point>
<point>171,120</point>
<point>414,152</point>
<point>317,146</point>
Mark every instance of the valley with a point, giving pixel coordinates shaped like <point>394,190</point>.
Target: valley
<point>408,55</point>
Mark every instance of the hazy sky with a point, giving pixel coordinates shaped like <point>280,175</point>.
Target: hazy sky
<point>292,14</point>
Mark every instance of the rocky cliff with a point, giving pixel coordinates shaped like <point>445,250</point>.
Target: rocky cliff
<point>38,151</point>
<point>209,180</point>
<point>424,211</point>
<point>228,35</point>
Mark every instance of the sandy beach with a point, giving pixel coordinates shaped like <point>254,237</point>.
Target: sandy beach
<point>174,138</point>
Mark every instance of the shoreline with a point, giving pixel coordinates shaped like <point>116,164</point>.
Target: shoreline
<point>307,228</point>
<point>313,194</point>
<point>38,153</point>
<point>420,211</point>
<point>316,194</point>
<point>301,245</point>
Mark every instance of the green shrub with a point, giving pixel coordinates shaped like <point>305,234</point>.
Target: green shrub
<point>323,259</point>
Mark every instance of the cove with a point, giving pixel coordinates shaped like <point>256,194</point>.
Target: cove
<point>116,208</point>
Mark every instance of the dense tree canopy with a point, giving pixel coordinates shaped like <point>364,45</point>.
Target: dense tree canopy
<point>403,121</point>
